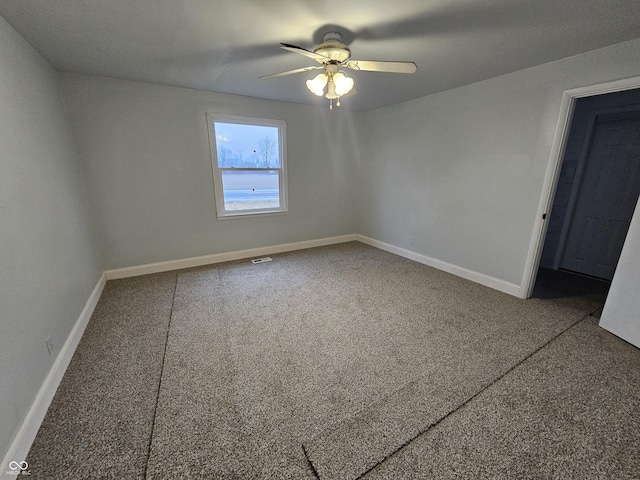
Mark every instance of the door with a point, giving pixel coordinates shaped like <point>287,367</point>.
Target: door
<point>607,197</point>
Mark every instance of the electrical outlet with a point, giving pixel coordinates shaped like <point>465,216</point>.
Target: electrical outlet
<point>49,345</point>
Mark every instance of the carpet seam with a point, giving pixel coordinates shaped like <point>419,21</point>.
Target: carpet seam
<point>399,389</point>
<point>311,465</point>
<point>164,356</point>
<point>434,424</point>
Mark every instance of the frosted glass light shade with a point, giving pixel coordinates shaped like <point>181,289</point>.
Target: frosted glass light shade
<point>343,83</point>
<point>317,84</point>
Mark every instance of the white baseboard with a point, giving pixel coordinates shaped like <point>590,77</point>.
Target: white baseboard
<point>19,447</point>
<point>480,278</point>
<point>223,257</point>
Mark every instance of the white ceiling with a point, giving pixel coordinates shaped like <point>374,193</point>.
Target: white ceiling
<point>225,45</point>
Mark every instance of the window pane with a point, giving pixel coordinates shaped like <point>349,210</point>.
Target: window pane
<point>250,190</point>
<point>247,146</point>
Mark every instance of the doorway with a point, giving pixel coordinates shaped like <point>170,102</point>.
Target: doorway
<point>597,190</point>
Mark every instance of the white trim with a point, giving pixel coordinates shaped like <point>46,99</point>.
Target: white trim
<point>553,171</point>
<point>480,278</point>
<point>548,193</point>
<point>223,257</point>
<point>21,443</point>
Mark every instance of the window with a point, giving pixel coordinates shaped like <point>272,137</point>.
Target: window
<point>248,157</point>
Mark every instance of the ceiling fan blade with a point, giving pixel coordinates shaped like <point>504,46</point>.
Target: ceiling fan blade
<point>291,72</point>
<point>372,66</point>
<point>307,53</point>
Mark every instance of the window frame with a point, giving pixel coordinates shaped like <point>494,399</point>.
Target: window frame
<point>218,186</point>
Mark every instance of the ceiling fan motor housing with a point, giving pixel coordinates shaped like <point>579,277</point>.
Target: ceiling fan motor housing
<point>333,48</point>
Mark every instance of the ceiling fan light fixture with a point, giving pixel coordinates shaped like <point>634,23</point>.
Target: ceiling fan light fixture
<point>332,54</point>
<point>343,84</point>
<point>317,84</point>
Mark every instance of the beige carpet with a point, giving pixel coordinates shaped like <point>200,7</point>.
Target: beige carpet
<point>340,362</point>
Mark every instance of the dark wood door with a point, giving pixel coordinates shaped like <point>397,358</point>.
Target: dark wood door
<point>606,198</point>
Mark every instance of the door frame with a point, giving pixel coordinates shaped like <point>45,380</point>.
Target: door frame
<point>552,174</point>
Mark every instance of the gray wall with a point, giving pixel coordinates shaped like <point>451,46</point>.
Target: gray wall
<point>48,261</point>
<point>460,173</point>
<point>146,160</point>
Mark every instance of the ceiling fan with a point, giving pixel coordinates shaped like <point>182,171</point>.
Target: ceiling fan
<point>332,55</point>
